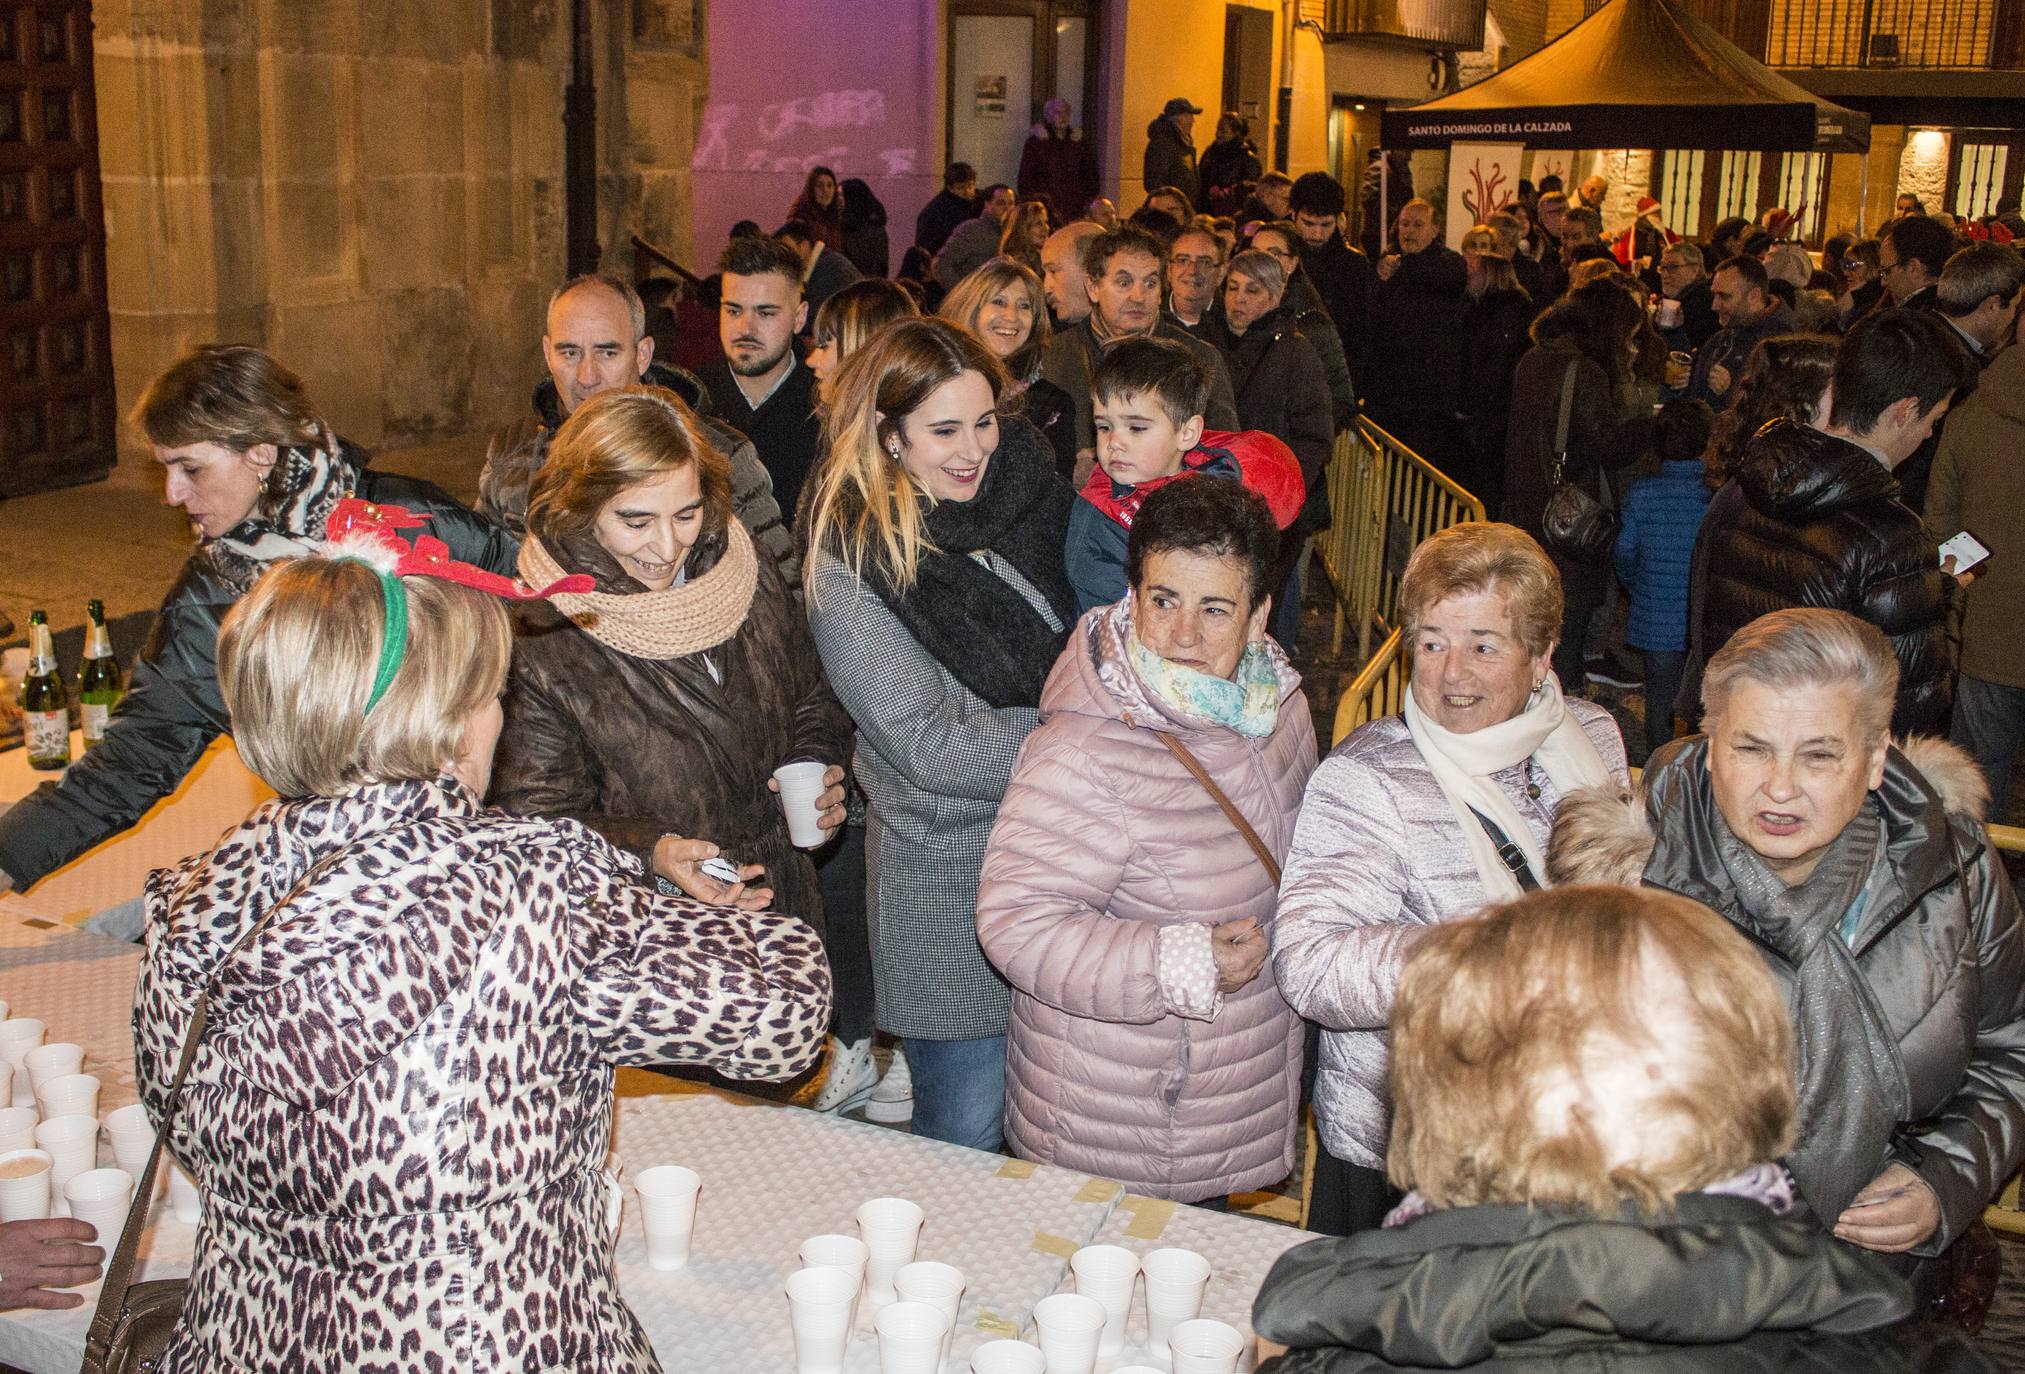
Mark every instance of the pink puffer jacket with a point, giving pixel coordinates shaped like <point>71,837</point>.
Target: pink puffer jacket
<point>1117,1065</point>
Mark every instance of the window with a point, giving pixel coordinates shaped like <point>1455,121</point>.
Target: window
<point>1803,179</point>
<point>1680,190</point>
<point>1737,185</point>
<point>1979,177</point>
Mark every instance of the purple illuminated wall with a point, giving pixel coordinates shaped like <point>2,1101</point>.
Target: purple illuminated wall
<point>851,84</point>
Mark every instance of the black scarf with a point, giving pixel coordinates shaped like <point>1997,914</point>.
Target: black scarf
<point>976,625</point>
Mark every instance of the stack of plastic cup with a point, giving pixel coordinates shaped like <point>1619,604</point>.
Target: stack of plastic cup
<point>1068,1326</point>
<point>910,1338</point>
<point>819,1307</point>
<point>184,1198</point>
<point>68,1094</point>
<point>52,1060</point>
<point>19,1035</point>
<point>1138,1369</point>
<point>891,1228</point>
<point>24,1185</point>
<point>100,1198</point>
<point>1108,1274</point>
<point>938,1285</point>
<point>17,1126</point>
<point>1008,1357</point>
<point>668,1212</point>
<point>801,788</point>
<point>71,1142</point>
<point>847,1253</point>
<point>1202,1346</point>
<point>133,1139</point>
<point>1175,1280</point>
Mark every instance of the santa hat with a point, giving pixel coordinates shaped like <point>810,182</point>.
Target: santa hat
<point>1646,205</point>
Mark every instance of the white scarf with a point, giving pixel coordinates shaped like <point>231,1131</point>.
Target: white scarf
<point>1545,732</point>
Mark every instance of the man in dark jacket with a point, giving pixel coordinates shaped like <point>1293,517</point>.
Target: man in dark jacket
<point>1683,278</point>
<point>1749,314</point>
<point>825,271</point>
<point>1339,272</point>
<point>1912,252</point>
<point>1978,296</point>
<point>1056,165</point>
<point>1814,517</point>
<point>1417,312</point>
<point>952,205</point>
<point>1170,150</point>
<point>760,385</point>
<point>975,241</point>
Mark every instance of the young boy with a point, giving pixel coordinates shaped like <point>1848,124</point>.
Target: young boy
<point>1655,548</point>
<point>1148,396</point>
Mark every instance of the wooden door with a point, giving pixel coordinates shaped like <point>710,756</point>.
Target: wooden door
<point>56,384</point>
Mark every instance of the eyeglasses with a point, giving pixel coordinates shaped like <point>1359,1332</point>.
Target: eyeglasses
<point>1851,264</point>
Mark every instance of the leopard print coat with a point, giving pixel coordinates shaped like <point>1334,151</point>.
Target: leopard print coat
<point>402,1108</point>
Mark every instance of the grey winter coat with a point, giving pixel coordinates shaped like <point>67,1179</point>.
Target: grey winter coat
<point>1377,855</point>
<point>1938,944</point>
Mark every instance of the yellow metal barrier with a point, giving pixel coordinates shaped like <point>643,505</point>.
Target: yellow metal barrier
<point>1385,499</point>
<point>1378,690</point>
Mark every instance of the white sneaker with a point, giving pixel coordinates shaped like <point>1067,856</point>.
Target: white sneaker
<point>892,1101</point>
<point>851,1077</point>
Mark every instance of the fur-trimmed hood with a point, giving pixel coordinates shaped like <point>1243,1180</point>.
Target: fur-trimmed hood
<point>1074,135</point>
<point>1601,837</point>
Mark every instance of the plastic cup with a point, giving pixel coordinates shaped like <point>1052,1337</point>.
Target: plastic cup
<point>1138,1369</point>
<point>101,1198</point>
<point>184,1198</point>
<point>19,1035</point>
<point>910,1338</point>
<point>17,1127</point>
<point>24,1185</point>
<point>1069,1326</point>
<point>71,1142</point>
<point>847,1253</point>
<point>891,1228</point>
<point>1107,1273</point>
<point>133,1140</point>
<point>53,1060</point>
<point>1175,1280</point>
<point>1203,1346</point>
<point>801,786</point>
<point>668,1212</point>
<point>69,1094</point>
<point>938,1285</point>
<point>819,1309</point>
<point>1008,1357</point>
<point>1669,314</point>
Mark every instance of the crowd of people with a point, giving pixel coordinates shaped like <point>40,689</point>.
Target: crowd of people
<point>1010,545</point>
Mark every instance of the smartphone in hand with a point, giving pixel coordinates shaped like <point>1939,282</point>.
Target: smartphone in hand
<point>1966,550</point>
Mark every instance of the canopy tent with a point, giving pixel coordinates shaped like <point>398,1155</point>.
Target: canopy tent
<point>1635,74</point>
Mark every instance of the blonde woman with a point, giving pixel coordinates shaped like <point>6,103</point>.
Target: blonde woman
<point>1003,304</point>
<point>939,601</point>
<point>1026,229</point>
<point>847,319</point>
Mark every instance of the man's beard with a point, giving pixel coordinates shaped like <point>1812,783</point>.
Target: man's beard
<point>760,365</point>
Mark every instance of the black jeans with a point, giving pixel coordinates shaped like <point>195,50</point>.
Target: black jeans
<point>840,874</point>
<point>1584,588</point>
<point>1348,1198</point>
<point>1663,669</point>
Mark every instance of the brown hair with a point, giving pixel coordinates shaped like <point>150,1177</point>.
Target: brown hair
<point>230,395</point>
<point>297,656</point>
<point>854,313</point>
<point>1784,379</point>
<point>1503,1025</point>
<point>615,440</point>
<point>1481,557</point>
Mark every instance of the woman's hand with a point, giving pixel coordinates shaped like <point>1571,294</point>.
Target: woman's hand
<point>680,862</point>
<point>1240,949</point>
<point>830,811</point>
<point>1894,1212</point>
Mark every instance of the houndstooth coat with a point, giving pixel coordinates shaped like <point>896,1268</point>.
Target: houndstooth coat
<point>401,1111</point>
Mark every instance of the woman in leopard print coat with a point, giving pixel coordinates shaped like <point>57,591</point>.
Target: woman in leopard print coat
<point>401,1112</point>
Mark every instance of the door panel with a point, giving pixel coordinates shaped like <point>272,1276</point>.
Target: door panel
<point>991,74</point>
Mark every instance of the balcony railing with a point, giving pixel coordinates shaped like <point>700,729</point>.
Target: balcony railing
<point>1451,24</point>
<point>1921,35</point>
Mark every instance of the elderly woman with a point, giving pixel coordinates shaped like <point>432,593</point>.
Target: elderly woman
<point>1864,875</point>
<point>1424,817</point>
<point>938,600</point>
<point>1593,1088</point>
<point>402,1111</point>
<point>848,318</point>
<point>1118,985</point>
<point>251,462</point>
<point>1003,304</point>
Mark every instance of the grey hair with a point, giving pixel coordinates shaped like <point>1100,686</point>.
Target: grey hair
<point>1977,273</point>
<point>1789,262</point>
<point>1262,267</point>
<point>1690,255</point>
<point>636,309</point>
<point>1808,646</point>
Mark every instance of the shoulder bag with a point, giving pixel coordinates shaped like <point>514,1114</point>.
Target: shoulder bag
<point>1575,525</point>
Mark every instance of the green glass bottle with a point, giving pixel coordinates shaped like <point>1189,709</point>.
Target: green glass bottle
<point>45,714</point>
<point>98,675</point>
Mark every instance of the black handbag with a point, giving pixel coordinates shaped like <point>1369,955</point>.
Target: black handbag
<point>1575,525</point>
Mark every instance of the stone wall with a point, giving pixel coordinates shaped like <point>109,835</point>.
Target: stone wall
<point>370,189</point>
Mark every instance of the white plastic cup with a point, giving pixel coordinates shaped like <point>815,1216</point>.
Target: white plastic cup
<point>71,1142</point>
<point>53,1060</point>
<point>185,1200</point>
<point>1175,1280</point>
<point>17,1127</point>
<point>69,1094</point>
<point>940,1286</point>
<point>1204,1346</point>
<point>24,1185</point>
<point>19,1035</point>
<point>819,1309</point>
<point>100,1198</point>
<point>668,1212</point>
<point>801,786</point>
<point>1138,1369</point>
<point>133,1140</point>
<point>910,1337</point>
<point>1107,1273</point>
<point>1669,314</point>
<point>1069,1326</point>
<point>1008,1357</point>
<point>847,1253</point>
<point>891,1228</point>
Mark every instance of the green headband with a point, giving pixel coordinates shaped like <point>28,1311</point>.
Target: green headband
<point>394,647</point>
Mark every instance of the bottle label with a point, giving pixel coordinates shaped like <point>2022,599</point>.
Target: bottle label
<point>94,722</point>
<point>47,734</point>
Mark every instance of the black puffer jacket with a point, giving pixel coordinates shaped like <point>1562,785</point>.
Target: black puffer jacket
<point>1721,1287</point>
<point>172,710</point>
<point>1821,524</point>
<point>1281,389</point>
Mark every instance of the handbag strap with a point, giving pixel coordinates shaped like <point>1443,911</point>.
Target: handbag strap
<point>1561,420</point>
<point>119,1270</point>
<point>1230,811</point>
<point>1514,857</point>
